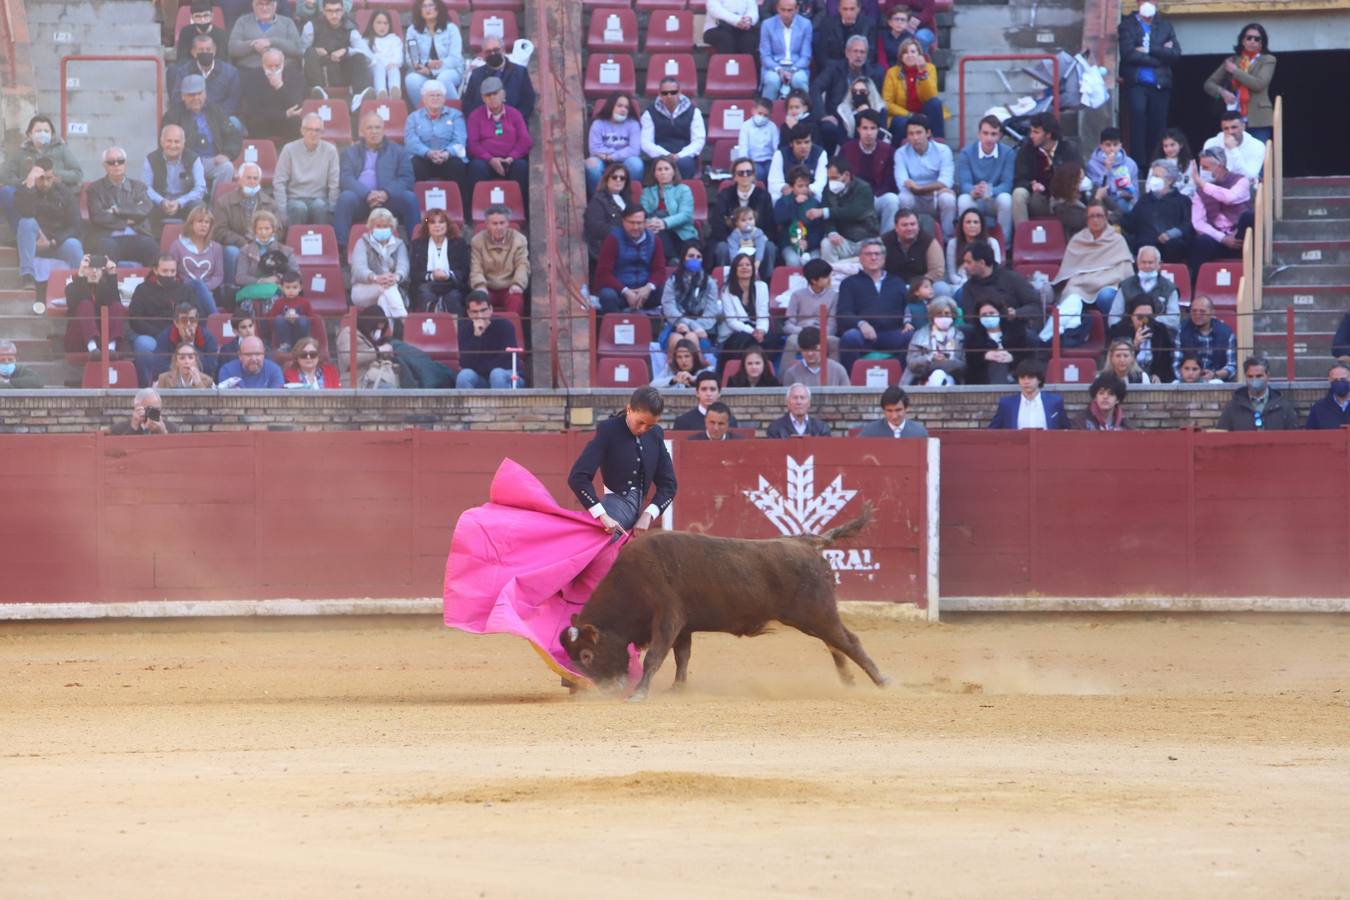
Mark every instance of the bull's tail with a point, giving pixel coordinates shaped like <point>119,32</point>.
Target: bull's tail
<point>847,530</point>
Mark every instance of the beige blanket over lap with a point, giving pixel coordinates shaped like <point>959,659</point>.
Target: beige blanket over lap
<point>1091,264</point>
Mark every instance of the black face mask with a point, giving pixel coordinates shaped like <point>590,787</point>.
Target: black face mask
<point>495,60</point>
<point>205,60</point>
<point>860,99</point>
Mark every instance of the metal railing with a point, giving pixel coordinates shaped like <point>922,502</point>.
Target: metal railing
<point>1001,57</point>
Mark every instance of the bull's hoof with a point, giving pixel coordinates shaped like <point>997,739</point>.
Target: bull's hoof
<point>638,696</point>
<point>884,681</point>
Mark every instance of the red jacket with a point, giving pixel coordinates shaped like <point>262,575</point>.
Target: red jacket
<point>330,375</point>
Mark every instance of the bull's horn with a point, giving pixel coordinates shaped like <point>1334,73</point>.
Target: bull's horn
<point>572,633</point>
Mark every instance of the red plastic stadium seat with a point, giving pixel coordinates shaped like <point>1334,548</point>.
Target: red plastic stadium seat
<point>700,192</point>
<point>1096,342</point>
<point>725,118</point>
<point>172,231</point>
<point>1039,241</point>
<point>1030,270</point>
<point>337,120</point>
<point>733,366</point>
<point>875,368</point>
<point>517,6</point>
<point>621,334</point>
<point>669,31</point>
<point>358,231</point>
<point>622,372</point>
<point>434,333</point>
<point>1218,280</point>
<point>501,22</point>
<point>57,282</point>
<point>721,154</point>
<point>264,153</point>
<point>731,75</point>
<point>121,375</point>
<point>1227,317</point>
<point>394,114</point>
<point>613,31</point>
<point>607,73</point>
<point>656,5</point>
<point>1070,371</point>
<point>782,279</point>
<point>302,238</point>
<point>325,290</point>
<point>626,4</point>
<point>222,188</point>
<point>218,324</point>
<point>1181,277</point>
<point>440,195</point>
<point>679,66</point>
<point>506,193</point>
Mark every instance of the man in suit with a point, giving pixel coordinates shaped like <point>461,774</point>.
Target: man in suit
<point>1032,408</point>
<point>708,390</point>
<point>629,451</point>
<point>798,422</point>
<point>717,424</point>
<point>894,422</point>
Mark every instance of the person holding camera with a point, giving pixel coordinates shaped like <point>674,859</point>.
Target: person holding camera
<point>92,290</point>
<point>147,416</point>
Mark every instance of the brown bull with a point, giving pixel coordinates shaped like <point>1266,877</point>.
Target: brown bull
<point>669,584</point>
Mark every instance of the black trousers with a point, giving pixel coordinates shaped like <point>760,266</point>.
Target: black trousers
<point>1148,119</point>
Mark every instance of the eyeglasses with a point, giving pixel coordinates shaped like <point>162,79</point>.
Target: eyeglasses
<point>187,320</point>
<point>309,354</point>
<point>618,178</point>
<point>1251,37</point>
<point>670,93</point>
<point>740,172</point>
<point>115,162</point>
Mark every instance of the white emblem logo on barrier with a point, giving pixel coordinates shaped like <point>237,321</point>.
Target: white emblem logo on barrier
<point>802,511</point>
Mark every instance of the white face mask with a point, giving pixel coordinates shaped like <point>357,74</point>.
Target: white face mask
<point>837,186</point>
<point>1147,280</point>
<point>1206,176</point>
<point>942,323</point>
<point>620,115</point>
<point>759,119</point>
<point>1156,186</point>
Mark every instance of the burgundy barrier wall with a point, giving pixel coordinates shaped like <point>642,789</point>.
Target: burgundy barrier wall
<point>1146,513</point>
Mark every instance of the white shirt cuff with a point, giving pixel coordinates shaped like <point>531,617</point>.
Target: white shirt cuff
<point>597,510</point>
<point>653,510</point>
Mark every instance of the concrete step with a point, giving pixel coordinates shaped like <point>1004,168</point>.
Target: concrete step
<point>1330,298</point>
<point>1329,276</point>
<point>1313,230</point>
<point>1306,321</point>
<point>1312,355</point>
<point>1333,186</point>
<point>88,12</point>
<point>1313,252</point>
<point>1317,208</point>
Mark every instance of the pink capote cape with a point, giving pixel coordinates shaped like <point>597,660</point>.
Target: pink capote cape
<point>521,564</point>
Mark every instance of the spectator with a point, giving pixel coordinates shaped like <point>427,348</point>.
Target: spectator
<point>118,209</point>
<point>615,137</point>
<point>1148,283</point>
<point>910,252</point>
<point>1333,410</point>
<point>985,176</point>
<point>273,99</point>
<point>902,25</point>
<point>871,308</point>
<point>49,222</point>
<point>757,140</point>
<point>174,176</point>
<point>379,266</point>
<point>252,369</point>
<point>925,173</point>
<point>631,266</point>
<point>996,341</point>
<point>798,422</point>
<point>254,34</point>
<point>184,329</point>
<point>308,370</point>
<point>731,26</point>
<point>201,25</point>
<point>499,140</point>
<point>804,308</point>
<point>970,230</point>
<point>1177,150</point>
<point>184,371</point>
<point>1148,48</point>
<point>1066,197</point>
<point>755,371</point>
<point>1096,260</point>
<point>987,280</point>
<point>520,94</point>
<point>1120,361</point>
<point>833,31</point>
<point>375,366</point>
<point>334,54</point>
<point>717,424</point>
<point>1243,154</point>
<point>92,290</point>
<point>1256,406</point>
<point>784,52</point>
<point>873,162</point>
<point>605,209</point>
<point>849,211</point>
<point>235,219</point>
<point>1032,407</point>
<point>911,88</point>
<point>683,363</point>
<point>1149,338</point>
<point>1043,150</point>
<point>708,390</point>
<point>233,10</point>
<point>208,134</point>
<point>1188,368</point>
<point>937,350</point>
<point>689,302</point>
<point>483,348</point>
<point>1221,211</point>
<point>374,172</point>
<point>308,176</point>
<point>745,311</point>
<point>804,152</point>
<point>670,207</point>
<point>12,375</point>
<point>147,416</point>
<point>800,234</point>
<point>848,84</point>
<point>673,126</point>
<point>1242,82</point>
<point>894,421</point>
<point>435,52</point>
<point>814,369</point>
<point>1105,410</point>
<point>1162,217</point>
<point>244,325</point>
<point>1211,342</point>
<point>1114,176</point>
<point>152,310</point>
<point>290,313</point>
<point>799,113</point>
<point>1340,343</point>
<point>740,192</point>
<point>21,167</point>
<point>254,263</point>
<point>224,90</point>
<point>435,135</point>
<point>384,55</point>
<point>439,266</point>
<point>749,239</point>
<point>499,262</point>
<point>200,259</point>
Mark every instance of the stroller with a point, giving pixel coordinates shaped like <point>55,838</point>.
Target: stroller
<point>1081,86</point>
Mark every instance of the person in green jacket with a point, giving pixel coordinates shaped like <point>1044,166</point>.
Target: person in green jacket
<point>20,168</point>
<point>849,211</point>
<point>670,207</point>
<point>12,375</point>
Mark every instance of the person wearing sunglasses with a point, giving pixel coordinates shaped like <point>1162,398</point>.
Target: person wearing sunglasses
<point>673,126</point>
<point>119,213</point>
<point>1256,406</point>
<point>739,191</point>
<point>1242,82</point>
<point>309,371</point>
<point>604,211</point>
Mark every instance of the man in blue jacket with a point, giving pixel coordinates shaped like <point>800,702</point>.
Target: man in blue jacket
<point>785,52</point>
<point>374,172</point>
<point>1148,48</point>
<point>984,175</point>
<point>1032,408</point>
<point>1333,410</point>
<point>871,308</point>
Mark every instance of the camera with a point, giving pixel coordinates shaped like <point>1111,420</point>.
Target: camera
<point>152,413</point>
<point>98,261</point>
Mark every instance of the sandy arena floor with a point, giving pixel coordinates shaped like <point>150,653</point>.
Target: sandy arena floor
<point>1014,757</point>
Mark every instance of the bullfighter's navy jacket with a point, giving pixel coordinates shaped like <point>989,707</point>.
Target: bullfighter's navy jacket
<point>625,461</point>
